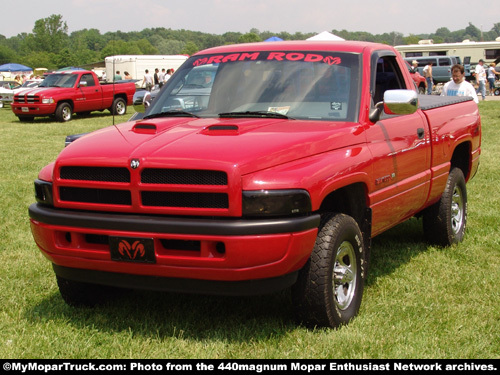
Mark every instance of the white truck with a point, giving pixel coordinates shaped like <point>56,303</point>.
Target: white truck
<point>136,65</point>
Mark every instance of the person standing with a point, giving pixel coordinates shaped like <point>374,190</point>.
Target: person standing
<point>168,75</point>
<point>156,81</point>
<point>148,80</point>
<point>458,86</point>
<point>428,77</point>
<point>414,66</point>
<point>161,77</point>
<point>492,76</point>
<point>117,76</point>
<point>481,78</point>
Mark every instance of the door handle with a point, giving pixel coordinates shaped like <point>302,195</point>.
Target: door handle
<point>420,133</point>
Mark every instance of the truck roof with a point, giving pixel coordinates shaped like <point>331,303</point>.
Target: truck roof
<point>305,45</point>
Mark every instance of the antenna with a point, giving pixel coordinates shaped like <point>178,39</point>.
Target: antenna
<point>113,72</point>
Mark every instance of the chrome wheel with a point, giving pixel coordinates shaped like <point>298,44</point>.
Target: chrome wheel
<point>344,275</point>
<point>120,108</point>
<point>66,113</point>
<point>457,209</point>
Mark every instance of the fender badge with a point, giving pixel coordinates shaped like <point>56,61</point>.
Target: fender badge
<point>134,164</point>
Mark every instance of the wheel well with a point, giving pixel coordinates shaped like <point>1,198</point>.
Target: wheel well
<point>122,96</point>
<point>462,158</point>
<point>66,101</point>
<point>351,200</point>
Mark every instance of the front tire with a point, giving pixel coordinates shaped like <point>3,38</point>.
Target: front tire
<point>80,294</point>
<point>64,112</point>
<point>25,118</point>
<point>445,221</point>
<point>329,289</point>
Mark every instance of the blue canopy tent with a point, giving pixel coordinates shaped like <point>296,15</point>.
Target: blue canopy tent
<point>273,39</point>
<point>13,67</point>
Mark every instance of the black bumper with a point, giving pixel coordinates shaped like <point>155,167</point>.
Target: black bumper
<point>164,224</point>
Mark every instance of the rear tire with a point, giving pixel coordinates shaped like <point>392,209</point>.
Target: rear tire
<point>445,221</point>
<point>329,289</point>
<point>119,107</point>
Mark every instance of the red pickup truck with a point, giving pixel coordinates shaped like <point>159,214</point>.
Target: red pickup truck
<point>274,168</point>
<point>65,93</point>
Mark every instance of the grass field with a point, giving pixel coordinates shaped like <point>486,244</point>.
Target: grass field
<point>420,301</point>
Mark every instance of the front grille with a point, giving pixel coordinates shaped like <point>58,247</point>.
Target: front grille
<point>183,177</point>
<point>108,174</point>
<point>187,200</point>
<point>27,99</point>
<point>155,190</point>
<point>99,196</point>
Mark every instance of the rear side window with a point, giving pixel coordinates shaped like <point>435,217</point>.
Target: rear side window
<point>444,62</point>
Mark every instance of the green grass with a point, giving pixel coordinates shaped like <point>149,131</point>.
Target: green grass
<point>420,301</point>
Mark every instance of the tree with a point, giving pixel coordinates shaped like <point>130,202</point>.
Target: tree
<point>120,47</point>
<point>7,55</point>
<point>87,38</point>
<point>473,32</point>
<point>65,58</point>
<point>190,48</point>
<point>496,29</point>
<point>170,47</point>
<point>249,38</point>
<point>40,60</point>
<point>146,47</point>
<point>50,34</point>
<point>412,39</point>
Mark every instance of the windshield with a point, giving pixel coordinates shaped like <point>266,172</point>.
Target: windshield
<point>300,85</point>
<point>59,80</point>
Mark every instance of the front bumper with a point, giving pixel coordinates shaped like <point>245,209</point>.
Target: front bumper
<point>220,250</point>
<point>33,109</point>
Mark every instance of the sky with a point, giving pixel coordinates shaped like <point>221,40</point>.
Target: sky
<point>221,16</point>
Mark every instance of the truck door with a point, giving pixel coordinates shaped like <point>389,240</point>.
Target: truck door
<point>400,146</point>
<point>90,98</point>
<point>467,68</point>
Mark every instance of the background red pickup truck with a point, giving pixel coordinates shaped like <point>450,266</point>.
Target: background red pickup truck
<point>63,94</point>
<point>259,167</point>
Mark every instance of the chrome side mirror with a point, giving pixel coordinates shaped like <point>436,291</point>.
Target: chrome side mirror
<point>400,102</point>
<point>141,100</point>
<point>396,102</point>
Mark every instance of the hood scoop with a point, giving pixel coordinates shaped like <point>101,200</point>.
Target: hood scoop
<point>221,130</point>
<point>144,128</point>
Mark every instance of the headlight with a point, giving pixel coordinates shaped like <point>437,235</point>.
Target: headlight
<point>276,202</point>
<point>47,100</point>
<point>43,193</point>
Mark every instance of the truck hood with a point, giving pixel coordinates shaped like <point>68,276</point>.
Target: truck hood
<point>35,90</point>
<point>247,145</point>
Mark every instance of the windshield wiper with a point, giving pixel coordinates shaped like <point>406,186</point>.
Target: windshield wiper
<point>171,114</point>
<point>267,114</point>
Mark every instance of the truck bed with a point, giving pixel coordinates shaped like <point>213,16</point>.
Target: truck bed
<point>427,102</point>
